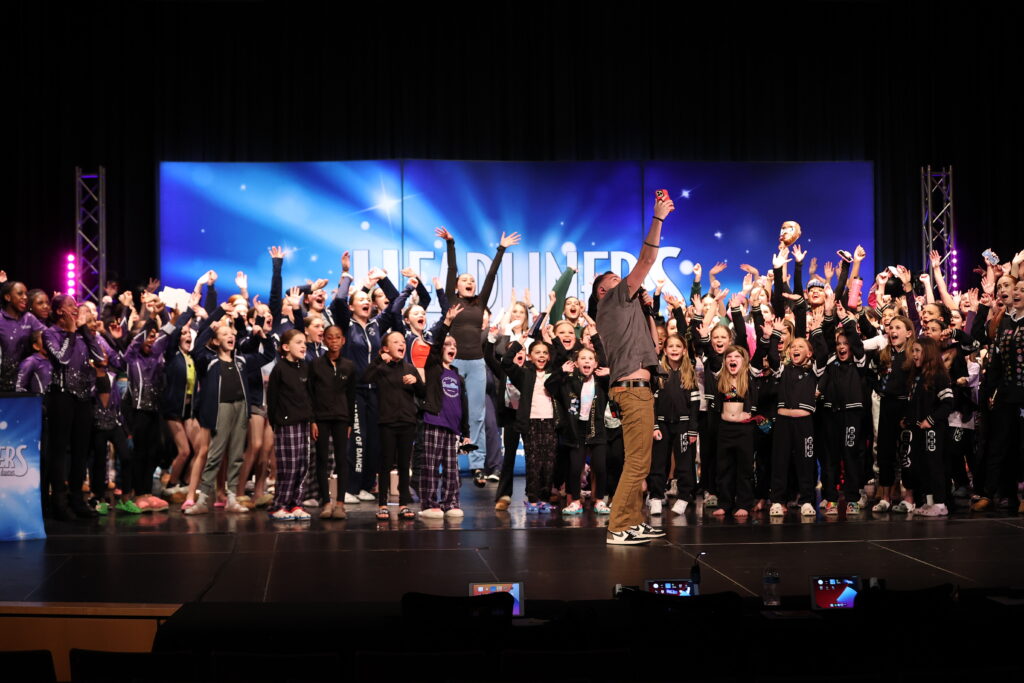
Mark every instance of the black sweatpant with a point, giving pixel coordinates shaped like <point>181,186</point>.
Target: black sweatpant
<point>867,434</point>
<point>560,473</point>
<point>598,469</point>
<point>674,441</point>
<point>891,411</point>
<point>122,459</point>
<point>395,451</point>
<point>735,465</point>
<point>959,454</point>
<point>145,450</point>
<point>708,430</point>
<point>928,464</point>
<point>793,447</point>
<point>615,457</point>
<point>763,463</point>
<point>510,441</point>
<point>364,449</point>
<point>829,478</point>
<point>330,431</point>
<point>845,449</point>
<point>1005,446</point>
<point>661,450</point>
<point>70,425</point>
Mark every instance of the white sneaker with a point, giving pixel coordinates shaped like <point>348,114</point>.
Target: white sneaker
<point>432,513</point>
<point>655,505</point>
<point>807,510</point>
<point>710,500</point>
<point>234,506</point>
<point>777,510</point>
<point>198,509</point>
<point>201,507</point>
<point>903,506</point>
<point>299,514</point>
<point>311,503</point>
<point>933,510</point>
<point>456,513</point>
<point>281,515</point>
<point>679,507</point>
<point>573,508</point>
<point>646,531</point>
<point>601,508</point>
<point>350,499</point>
<point>365,495</point>
<point>626,537</point>
<point>822,504</point>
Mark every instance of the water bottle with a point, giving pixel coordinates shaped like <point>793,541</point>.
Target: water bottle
<point>770,587</point>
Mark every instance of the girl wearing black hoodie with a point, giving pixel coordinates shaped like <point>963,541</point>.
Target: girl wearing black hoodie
<point>581,393</point>
<point>398,382</point>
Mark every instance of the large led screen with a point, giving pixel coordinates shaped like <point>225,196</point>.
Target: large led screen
<point>588,215</point>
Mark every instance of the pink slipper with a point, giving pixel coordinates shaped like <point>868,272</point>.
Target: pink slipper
<point>158,504</point>
<point>187,504</point>
<point>143,504</point>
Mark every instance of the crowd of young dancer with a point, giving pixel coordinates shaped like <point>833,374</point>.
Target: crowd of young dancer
<point>811,390</point>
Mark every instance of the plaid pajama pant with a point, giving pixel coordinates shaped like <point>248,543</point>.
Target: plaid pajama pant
<point>440,452</point>
<point>291,446</point>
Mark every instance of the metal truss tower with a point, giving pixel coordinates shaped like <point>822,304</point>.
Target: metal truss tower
<point>91,233</point>
<point>938,220</point>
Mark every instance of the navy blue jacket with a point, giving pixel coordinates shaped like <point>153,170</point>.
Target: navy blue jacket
<point>207,400</point>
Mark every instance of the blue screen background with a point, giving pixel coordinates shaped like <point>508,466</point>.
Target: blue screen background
<point>591,215</point>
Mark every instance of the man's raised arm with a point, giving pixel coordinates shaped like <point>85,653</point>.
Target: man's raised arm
<point>649,252</point>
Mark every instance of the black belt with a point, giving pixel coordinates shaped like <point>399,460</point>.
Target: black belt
<point>631,383</point>
<point>366,386</point>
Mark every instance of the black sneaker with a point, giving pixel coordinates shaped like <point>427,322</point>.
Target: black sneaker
<point>63,513</point>
<point>626,537</point>
<point>81,509</point>
<point>479,479</point>
<point>647,531</point>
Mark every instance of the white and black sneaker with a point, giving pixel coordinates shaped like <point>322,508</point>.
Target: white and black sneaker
<point>625,537</point>
<point>647,531</point>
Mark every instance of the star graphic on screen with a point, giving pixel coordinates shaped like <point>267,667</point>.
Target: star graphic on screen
<point>385,203</point>
<point>685,194</point>
<point>718,234</point>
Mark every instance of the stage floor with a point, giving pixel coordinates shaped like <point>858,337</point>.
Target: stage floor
<point>169,558</point>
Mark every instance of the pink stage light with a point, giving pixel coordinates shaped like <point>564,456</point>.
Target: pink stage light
<point>72,279</point>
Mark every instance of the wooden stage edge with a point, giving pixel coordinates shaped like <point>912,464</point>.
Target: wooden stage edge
<point>61,626</point>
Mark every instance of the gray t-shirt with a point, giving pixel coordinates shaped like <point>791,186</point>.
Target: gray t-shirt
<point>625,333</point>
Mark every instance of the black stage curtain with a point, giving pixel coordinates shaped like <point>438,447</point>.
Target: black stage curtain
<point>128,84</point>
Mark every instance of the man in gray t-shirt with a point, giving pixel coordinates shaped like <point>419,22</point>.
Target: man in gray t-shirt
<point>627,335</point>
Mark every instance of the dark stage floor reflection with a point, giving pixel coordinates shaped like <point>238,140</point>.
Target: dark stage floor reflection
<point>171,558</point>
